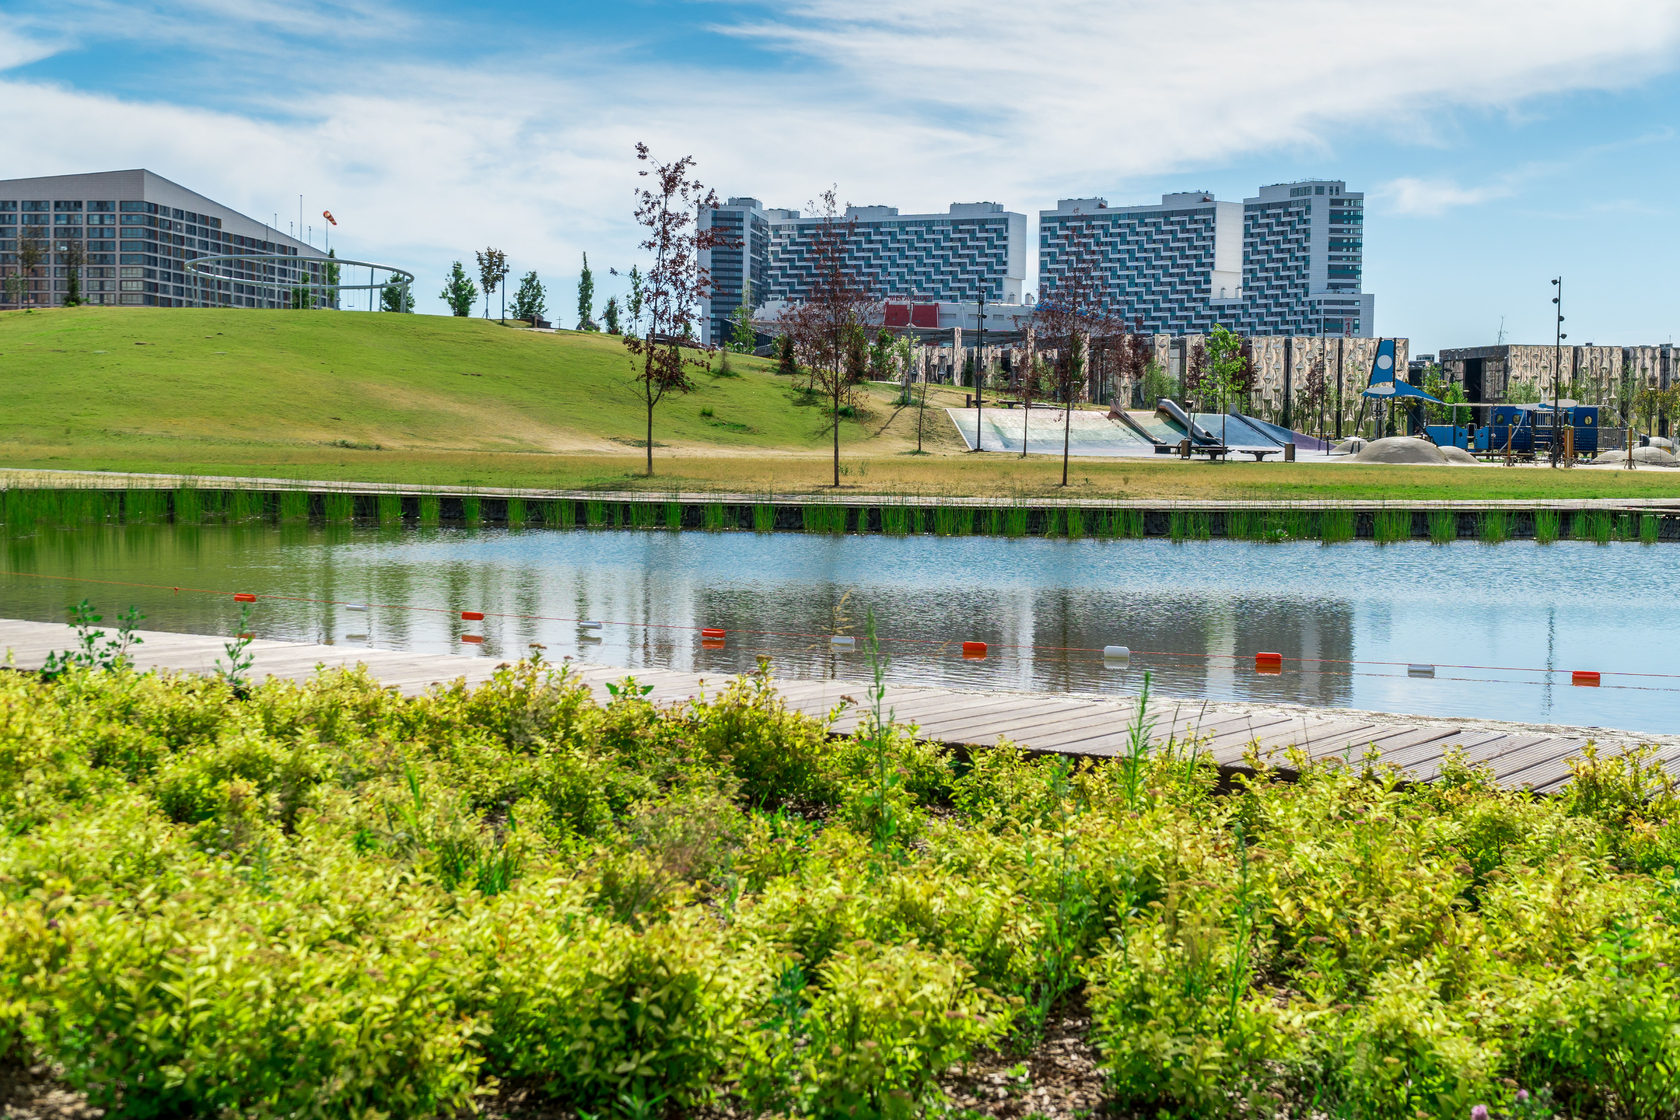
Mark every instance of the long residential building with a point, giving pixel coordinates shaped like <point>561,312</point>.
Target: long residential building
<point>767,257</point>
<point>127,235</point>
<point>1287,261</point>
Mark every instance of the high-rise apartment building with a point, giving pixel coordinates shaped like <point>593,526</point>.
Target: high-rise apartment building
<point>127,236</point>
<point>1303,260</point>
<point>973,249</point>
<point>1288,261</point>
<point>1176,266</point>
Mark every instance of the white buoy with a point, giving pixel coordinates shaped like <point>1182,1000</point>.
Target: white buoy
<point>1118,655</point>
<point>842,641</point>
<point>355,606</point>
<point>1420,670</point>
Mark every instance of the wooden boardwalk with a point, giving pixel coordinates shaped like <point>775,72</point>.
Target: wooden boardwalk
<point>1535,757</point>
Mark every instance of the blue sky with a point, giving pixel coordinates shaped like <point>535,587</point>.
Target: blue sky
<point>1499,142</point>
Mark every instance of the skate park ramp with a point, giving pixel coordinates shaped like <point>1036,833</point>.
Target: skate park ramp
<point>1236,429</point>
<point>1089,434</point>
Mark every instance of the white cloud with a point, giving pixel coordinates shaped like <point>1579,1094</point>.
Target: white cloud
<point>1430,197</point>
<point>915,105</point>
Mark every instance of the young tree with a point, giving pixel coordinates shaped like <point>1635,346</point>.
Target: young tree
<point>458,291</point>
<point>330,273</point>
<point>1072,317</point>
<point>675,283</point>
<point>610,314</point>
<point>531,300</point>
<point>398,298</point>
<point>72,256</point>
<point>833,324</point>
<point>1227,378</point>
<point>586,299</point>
<point>787,361</point>
<point>1315,392</point>
<point>743,338</point>
<point>492,270</point>
<point>29,255</point>
<point>881,356</point>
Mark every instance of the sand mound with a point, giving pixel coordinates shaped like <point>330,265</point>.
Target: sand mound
<point>1460,456</point>
<point>1349,446</point>
<point>1665,444</point>
<point>1400,449</point>
<point>1642,456</point>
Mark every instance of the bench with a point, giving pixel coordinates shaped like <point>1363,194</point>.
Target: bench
<point>1260,453</point>
<point>1212,451</point>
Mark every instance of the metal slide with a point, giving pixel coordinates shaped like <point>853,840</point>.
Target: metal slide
<point>1197,433</point>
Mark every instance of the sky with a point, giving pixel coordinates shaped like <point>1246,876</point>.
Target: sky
<point>1500,143</point>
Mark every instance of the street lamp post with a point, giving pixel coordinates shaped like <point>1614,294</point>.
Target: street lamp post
<point>1557,362</point>
<point>979,364</point>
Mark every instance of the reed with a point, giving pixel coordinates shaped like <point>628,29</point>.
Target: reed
<point>1246,525</point>
<point>1392,525</point>
<point>1015,522</point>
<point>965,521</point>
<point>595,514</point>
<point>1337,526</point>
<point>895,521</point>
<point>673,516</point>
<point>1299,524</point>
<point>565,514</point>
<point>994,522</point>
<point>186,506</point>
<point>212,505</point>
<point>1546,525</point>
<point>141,506</point>
<point>1626,529</point>
<point>643,515</point>
<point>20,510</point>
<point>1189,525</point>
<point>246,505</point>
<point>1443,526</point>
<point>431,509</point>
<point>1493,526</point>
<point>1650,529</point>
<point>944,521</point>
<point>294,505</point>
<point>516,513</point>
<point>338,508</point>
<point>821,517</point>
<point>712,517</point>
<point>1075,523</point>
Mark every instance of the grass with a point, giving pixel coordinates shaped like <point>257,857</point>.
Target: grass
<point>431,509</point>
<point>418,399</point>
<point>326,899</point>
<point>294,506</point>
<point>1547,525</point>
<point>1493,526</point>
<point>516,514</point>
<point>1336,526</point>
<point>1391,525</point>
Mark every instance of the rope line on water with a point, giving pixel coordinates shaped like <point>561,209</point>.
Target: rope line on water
<point>891,639</point>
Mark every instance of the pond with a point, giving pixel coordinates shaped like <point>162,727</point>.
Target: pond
<point>1348,618</point>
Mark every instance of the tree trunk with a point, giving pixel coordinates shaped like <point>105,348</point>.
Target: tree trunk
<point>1067,433</point>
<point>650,437</point>
<point>837,432</point>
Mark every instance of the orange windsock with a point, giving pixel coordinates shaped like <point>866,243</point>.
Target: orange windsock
<point>327,214</point>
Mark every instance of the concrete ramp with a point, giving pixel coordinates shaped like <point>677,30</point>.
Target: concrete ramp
<point>1089,434</point>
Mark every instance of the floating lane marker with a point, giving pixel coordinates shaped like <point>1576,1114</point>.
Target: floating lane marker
<point>472,616</point>
<point>1117,655</point>
<point>1587,678</point>
<point>589,625</point>
<point>842,641</point>
<point>355,606</point>
<point>246,637</point>
<point>589,631</point>
<point>711,634</point>
<point>974,651</point>
<point>1420,670</point>
<point>475,639</point>
<point>1270,664</point>
<point>244,597</point>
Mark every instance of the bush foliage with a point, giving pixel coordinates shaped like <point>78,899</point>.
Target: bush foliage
<point>329,900</point>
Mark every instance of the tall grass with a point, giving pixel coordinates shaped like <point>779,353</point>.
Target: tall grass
<point>1493,526</point>
<point>1053,523</point>
<point>431,509</point>
<point>712,517</point>
<point>1546,525</point>
<point>821,517</point>
<point>1650,529</point>
<point>1075,523</point>
<point>673,516</point>
<point>19,510</point>
<point>246,505</point>
<point>595,514</point>
<point>187,506</point>
<point>516,514</point>
<point>565,514</point>
<point>339,508</point>
<point>1391,525</point>
<point>472,511</point>
<point>1189,525</point>
<point>994,522</point>
<point>1015,521</point>
<point>1443,526</point>
<point>1337,526</point>
<point>895,520</point>
<point>643,515</point>
<point>141,506</point>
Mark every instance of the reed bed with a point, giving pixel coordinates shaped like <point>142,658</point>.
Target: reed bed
<point>246,505</point>
<point>1189,525</point>
<point>1650,529</point>
<point>895,520</point>
<point>142,506</point>
<point>186,506</point>
<point>1337,526</point>
<point>1015,522</point>
<point>643,515</point>
<point>595,514</point>
<point>1075,523</point>
<point>1493,526</point>
<point>294,506</point>
<point>1392,525</point>
<point>1443,526</point>
<point>1547,526</point>
<point>516,513</point>
<point>338,508</point>
<point>674,516</point>
<point>712,517</point>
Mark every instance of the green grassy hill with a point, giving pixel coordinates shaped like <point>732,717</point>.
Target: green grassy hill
<point>184,389</point>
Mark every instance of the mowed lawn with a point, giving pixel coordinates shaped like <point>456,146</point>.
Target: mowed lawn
<point>433,400</point>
